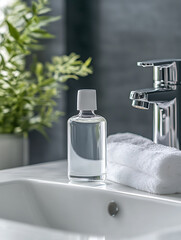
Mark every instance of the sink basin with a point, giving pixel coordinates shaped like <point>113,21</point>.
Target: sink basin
<point>84,210</point>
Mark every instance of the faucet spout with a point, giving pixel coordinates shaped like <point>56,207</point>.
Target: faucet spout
<point>142,98</point>
<point>140,104</point>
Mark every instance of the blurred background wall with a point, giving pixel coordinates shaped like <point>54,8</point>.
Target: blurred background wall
<point>116,34</point>
<point>41,149</point>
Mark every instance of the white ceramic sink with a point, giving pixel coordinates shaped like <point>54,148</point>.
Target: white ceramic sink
<point>84,209</point>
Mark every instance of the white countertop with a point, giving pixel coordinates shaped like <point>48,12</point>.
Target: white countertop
<point>56,172</point>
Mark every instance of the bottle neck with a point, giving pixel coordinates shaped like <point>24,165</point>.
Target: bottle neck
<point>86,113</point>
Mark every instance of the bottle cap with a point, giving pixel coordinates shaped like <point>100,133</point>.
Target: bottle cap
<point>86,99</point>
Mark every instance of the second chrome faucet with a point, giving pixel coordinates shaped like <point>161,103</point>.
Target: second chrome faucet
<point>166,98</point>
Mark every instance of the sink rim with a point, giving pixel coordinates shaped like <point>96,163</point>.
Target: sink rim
<point>107,187</point>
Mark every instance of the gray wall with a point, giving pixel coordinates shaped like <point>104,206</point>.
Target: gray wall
<point>116,34</point>
<point>132,31</point>
<point>42,150</point>
<point>126,31</point>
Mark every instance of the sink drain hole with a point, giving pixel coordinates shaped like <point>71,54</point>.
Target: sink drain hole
<point>113,209</point>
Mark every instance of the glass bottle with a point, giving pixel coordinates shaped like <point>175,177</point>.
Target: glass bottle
<point>87,134</point>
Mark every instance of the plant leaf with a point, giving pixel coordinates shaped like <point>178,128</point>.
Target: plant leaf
<point>34,7</point>
<point>88,61</point>
<point>13,31</point>
<point>44,10</point>
<point>45,20</point>
<point>2,61</point>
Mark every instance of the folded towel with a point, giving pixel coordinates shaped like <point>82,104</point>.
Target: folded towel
<point>129,138</point>
<point>139,163</point>
<point>141,181</point>
<point>143,155</point>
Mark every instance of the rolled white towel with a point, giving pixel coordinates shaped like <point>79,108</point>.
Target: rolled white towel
<point>143,155</point>
<point>141,181</point>
<point>129,138</point>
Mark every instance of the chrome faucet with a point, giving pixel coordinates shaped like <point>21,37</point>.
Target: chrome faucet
<point>166,99</point>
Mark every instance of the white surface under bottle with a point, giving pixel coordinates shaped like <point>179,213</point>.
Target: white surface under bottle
<point>87,140</point>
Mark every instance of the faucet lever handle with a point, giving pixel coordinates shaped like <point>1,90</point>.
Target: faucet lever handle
<point>152,63</point>
<point>165,72</point>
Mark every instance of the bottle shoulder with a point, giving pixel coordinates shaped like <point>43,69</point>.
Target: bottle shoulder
<point>95,118</point>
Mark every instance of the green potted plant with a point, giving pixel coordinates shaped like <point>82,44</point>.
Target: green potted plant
<point>28,92</point>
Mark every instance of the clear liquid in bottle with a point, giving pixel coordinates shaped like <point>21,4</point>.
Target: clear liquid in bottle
<point>87,145</point>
